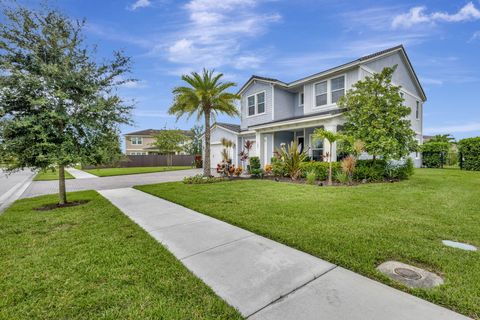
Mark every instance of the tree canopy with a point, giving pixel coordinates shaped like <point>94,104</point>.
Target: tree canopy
<point>58,105</point>
<point>376,115</point>
<point>206,96</point>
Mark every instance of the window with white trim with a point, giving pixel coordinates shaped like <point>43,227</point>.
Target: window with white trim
<point>260,102</point>
<point>321,93</point>
<point>338,88</point>
<point>301,99</point>
<point>317,149</point>
<point>256,104</point>
<point>137,140</point>
<point>329,91</point>
<point>251,105</point>
<point>417,111</point>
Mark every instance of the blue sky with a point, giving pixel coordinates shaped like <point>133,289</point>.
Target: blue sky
<point>288,40</point>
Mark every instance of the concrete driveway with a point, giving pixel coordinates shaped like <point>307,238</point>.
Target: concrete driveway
<point>13,185</point>
<point>38,188</point>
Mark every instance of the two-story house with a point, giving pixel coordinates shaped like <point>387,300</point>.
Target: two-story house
<point>274,112</point>
<point>142,142</point>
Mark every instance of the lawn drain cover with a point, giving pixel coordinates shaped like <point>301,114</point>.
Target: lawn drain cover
<point>410,276</point>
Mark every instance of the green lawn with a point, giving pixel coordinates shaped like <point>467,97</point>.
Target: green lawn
<point>360,227</point>
<point>107,172</point>
<point>50,175</point>
<point>92,262</point>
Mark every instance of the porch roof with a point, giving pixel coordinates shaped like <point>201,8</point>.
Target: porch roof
<point>302,118</point>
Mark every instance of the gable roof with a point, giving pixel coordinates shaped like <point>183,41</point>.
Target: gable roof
<point>228,126</point>
<point>153,132</point>
<point>350,64</point>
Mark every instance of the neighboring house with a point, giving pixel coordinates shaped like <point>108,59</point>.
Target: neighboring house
<point>142,142</point>
<point>275,113</point>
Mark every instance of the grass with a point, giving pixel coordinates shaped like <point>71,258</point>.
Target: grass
<point>92,262</point>
<point>50,175</point>
<point>107,172</point>
<point>360,227</point>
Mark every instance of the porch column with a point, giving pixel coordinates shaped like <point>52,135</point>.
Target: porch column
<point>331,128</point>
<point>259,146</point>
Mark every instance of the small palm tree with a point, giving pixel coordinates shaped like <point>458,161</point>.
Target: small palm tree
<point>206,96</point>
<point>331,137</point>
<point>292,157</point>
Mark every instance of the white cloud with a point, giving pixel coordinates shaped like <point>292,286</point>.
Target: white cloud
<point>140,4</point>
<point>417,15</point>
<point>456,128</point>
<point>217,33</point>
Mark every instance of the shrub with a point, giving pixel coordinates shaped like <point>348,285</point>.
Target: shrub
<point>348,165</point>
<point>199,179</point>
<point>238,171</point>
<point>434,154</point>
<point>257,173</point>
<point>311,177</point>
<point>469,153</point>
<point>397,170</point>
<point>342,177</point>
<point>254,163</point>
<point>292,159</point>
<point>370,170</point>
<point>268,169</point>
<point>319,167</point>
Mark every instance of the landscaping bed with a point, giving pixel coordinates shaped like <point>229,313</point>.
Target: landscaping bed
<point>92,262</point>
<point>360,228</point>
<point>107,172</point>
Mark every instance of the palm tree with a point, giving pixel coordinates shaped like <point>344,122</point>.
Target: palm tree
<point>206,96</point>
<point>331,137</point>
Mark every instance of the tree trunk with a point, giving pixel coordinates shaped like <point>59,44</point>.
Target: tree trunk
<point>61,185</point>
<point>206,161</point>
<point>330,166</point>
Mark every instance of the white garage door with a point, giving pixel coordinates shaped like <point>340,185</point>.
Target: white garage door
<point>215,155</point>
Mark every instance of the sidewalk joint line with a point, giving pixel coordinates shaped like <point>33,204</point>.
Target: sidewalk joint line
<point>283,296</point>
<point>217,246</point>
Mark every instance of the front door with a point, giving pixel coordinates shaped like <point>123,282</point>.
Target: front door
<point>301,143</point>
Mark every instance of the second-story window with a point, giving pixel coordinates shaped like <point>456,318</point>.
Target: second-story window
<point>261,102</point>
<point>256,104</point>
<point>417,111</point>
<point>251,105</point>
<point>137,140</point>
<point>301,98</point>
<point>338,88</point>
<point>321,93</point>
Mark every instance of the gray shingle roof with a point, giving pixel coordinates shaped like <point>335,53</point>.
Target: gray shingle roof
<point>228,126</point>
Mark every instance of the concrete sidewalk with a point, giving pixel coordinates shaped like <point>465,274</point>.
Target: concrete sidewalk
<point>264,279</point>
<point>80,174</point>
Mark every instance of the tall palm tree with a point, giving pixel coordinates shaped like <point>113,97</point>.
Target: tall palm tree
<point>206,96</point>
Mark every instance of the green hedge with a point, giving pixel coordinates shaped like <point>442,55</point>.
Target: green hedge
<point>469,153</point>
<point>368,170</point>
<point>435,154</point>
<point>320,168</point>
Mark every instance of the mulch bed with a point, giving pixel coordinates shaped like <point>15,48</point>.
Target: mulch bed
<point>54,206</point>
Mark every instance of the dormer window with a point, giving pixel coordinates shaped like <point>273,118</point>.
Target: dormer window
<point>256,104</point>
